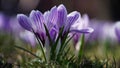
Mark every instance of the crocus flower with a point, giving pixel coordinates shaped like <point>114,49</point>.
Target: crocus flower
<point>4,23</point>
<point>35,22</point>
<point>81,25</point>
<point>28,37</point>
<point>1,20</point>
<point>117,30</point>
<point>98,27</point>
<point>72,21</point>
<point>15,27</point>
<point>103,30</point>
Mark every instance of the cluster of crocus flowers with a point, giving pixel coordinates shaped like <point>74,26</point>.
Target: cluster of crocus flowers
<point>54,29</point>
<point>54,20</point>
<point>103,31</point>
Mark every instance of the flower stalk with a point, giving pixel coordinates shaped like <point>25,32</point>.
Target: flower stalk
<point>80,53</point>
<point>41,48</point>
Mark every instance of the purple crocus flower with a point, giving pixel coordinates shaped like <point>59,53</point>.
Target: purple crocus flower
<point>66,20</point>
<point>1,21</point>
<point>28,37</point>
<point>117,30</point>
<point>103,30</point>
<point>81,25</point>
<point>98,31</point>
<point>4,23</point>
<point>15,27</point>
<point>72,22</point>
<point>35,22</point>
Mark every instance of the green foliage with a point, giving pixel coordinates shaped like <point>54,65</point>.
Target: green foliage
<point>62,54</point>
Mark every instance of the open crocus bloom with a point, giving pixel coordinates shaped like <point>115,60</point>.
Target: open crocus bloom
<point>54,20</point>
<point>81,25</point>
<point>35,22</point>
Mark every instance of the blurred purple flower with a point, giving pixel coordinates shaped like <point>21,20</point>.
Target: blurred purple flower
<point>98,27</point>
<point>4,23</point>
<point>19,33</point>
<point>15,27</point>
<point>81,25</point>
<point>10,25</point>
<point>103,31</point>
<point>117,30</point>
<point>28,37</point>
<point>1,21</point>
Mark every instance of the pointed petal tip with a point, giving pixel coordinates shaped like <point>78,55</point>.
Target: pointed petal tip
<point>20,15</point>
<point>24,21</point>
<point>73,13</point>
<point>32,12</point>
<point>61,7</point>
<point>53,7</point>
<point>91,30</point>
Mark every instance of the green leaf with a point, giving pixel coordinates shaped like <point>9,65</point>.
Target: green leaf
<point>48,34</point>
<point>80,53</point>
<point>27,51</point>
<point>66,43</point>
<point>54,46</point>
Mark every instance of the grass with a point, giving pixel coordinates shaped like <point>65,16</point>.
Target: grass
<point>94,56</point>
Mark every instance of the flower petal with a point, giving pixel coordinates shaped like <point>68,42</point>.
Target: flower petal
<point>71,18</point>
<point>24,21</point>
<point>85,30</point>
<point>53,34</point>
<point>28,37</point>
<point>85,20</point>
<point>52,18</point>
<point>37,20</point>
<point>117,30</point>
<point>46,15</point>
<point>62,15</point>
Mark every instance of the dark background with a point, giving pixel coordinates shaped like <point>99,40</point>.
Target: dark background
<point>111,9</point>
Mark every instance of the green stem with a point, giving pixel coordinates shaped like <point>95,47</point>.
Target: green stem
<point>80,54</point>
<point>41,47</point>
<point>27,51</point>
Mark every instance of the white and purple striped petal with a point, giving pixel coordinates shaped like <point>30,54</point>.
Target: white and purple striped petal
<point>71,19</point>
<point>24,21</point>
<point>81,25</point>
<point>62,15</point>
<point>53,34</point>
<point>52,17</point>
<point>37,20</point>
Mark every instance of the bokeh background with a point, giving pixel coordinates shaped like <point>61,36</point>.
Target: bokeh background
<point>100,9</point>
